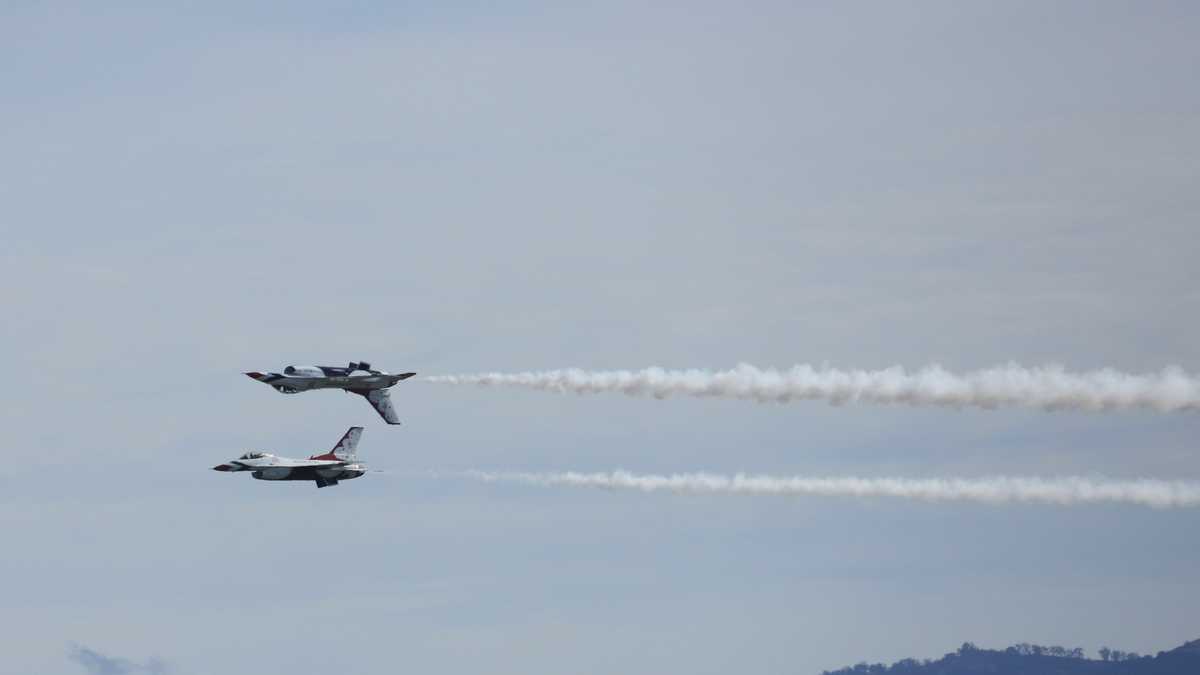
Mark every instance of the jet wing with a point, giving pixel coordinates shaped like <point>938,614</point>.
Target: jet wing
<point>287,463</point>
<point>382,403</point>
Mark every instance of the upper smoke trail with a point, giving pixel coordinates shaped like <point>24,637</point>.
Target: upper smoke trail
<point>1000,489</point>
<point>1047,388</point>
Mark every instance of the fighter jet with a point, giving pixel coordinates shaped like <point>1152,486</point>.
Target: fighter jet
<point>356,378</point>
<point>340,463</point>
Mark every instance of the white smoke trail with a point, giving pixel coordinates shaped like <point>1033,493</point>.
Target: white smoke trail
<point>1047,388</point>
<point>994,490</point>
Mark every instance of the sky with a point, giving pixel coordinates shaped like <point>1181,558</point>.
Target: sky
<point>189,191</point>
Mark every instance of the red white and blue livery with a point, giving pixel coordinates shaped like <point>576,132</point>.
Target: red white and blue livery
<point>356,378</point>
<point>340,463</point>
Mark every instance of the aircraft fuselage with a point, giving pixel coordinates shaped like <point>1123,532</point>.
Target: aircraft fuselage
<point>270,467</point>
<point>327,469</point>
<point>356,378</point>
<point>296,383</point>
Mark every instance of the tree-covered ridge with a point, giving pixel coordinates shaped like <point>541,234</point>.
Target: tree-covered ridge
<point>1031,659</point>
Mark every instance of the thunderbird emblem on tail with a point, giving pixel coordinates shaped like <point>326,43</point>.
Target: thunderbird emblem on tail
<point>356,378</point>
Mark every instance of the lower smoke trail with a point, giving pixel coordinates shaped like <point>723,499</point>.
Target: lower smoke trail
<point>1047,388</point>
<point>994,490</point>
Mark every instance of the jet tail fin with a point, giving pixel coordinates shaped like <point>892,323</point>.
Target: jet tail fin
<point>346,449</point>
<point>381,402</point>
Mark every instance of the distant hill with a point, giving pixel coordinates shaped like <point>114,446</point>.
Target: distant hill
<point>1027,659</point>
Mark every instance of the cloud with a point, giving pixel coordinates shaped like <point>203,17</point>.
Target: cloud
<point>95,663</point>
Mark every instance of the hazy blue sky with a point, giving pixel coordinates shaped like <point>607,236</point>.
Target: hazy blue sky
<point>192,192</point>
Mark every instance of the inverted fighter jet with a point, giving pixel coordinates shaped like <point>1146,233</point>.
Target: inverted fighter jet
<point>340,463</point>
<point>356,378</point>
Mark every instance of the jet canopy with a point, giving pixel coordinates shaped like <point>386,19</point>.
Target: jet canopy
<point>253,455</point>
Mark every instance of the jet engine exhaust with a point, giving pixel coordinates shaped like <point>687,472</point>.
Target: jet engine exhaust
<point>1064,491</point>
<point>1012,385</point>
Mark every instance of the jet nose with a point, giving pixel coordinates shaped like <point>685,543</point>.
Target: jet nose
<point>255,375</point>
<point>222,467</point>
